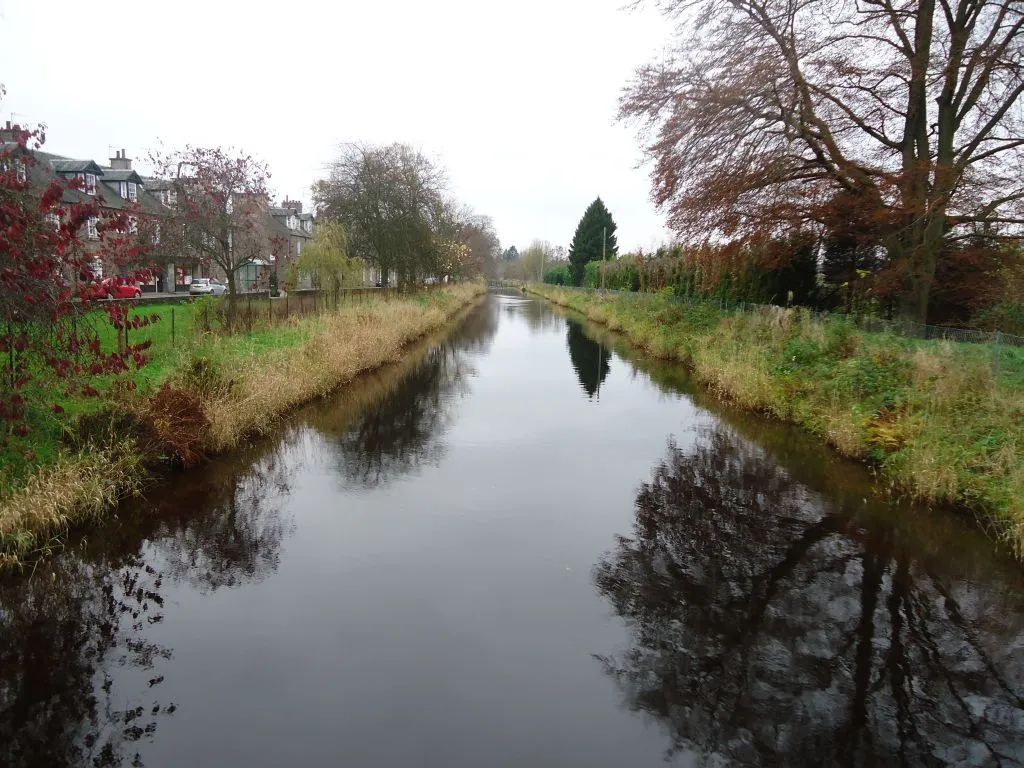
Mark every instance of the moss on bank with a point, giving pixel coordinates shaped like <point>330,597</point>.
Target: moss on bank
<point>928,415</point>
<point>213,396</point>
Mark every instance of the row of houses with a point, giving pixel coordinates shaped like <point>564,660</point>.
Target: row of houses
<point>119,189</point>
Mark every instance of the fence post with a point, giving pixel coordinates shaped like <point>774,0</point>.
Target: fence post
<point>10,348</point>
<point>248,313</point>
<point>996,356</point>
<point>172,327</point>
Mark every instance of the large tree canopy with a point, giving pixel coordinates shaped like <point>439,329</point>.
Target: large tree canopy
<point>765,110</point>
<point>391,200</point>
<point>594,238</point>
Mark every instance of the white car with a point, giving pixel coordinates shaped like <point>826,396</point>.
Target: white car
<point>205,286</point>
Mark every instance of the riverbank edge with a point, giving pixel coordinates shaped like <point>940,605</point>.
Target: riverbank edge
<point>1001,516</point>
<point>83,487</point>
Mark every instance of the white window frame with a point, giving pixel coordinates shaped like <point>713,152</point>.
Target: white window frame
<point>91,228</point>
<point>53,220</point>
<point>133,225</point>
<point>171,197</point>
<point>123,189</point>
<point>20,172</point>
<point>90,183</point>
<point>133,191</point>
<point>155,237</point>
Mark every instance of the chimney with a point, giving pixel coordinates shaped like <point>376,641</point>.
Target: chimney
<point>10,132</point>
<point>295,205</point>
<point>120,161</point>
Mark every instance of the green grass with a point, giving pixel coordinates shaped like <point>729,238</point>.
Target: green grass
<point>931,415</point>
<point>179,333</point>
<point>222,389</point>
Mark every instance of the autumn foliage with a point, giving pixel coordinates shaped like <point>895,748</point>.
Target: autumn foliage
<point>49,348</point>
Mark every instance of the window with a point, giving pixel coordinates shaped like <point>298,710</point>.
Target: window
<point>97,269</point>
<point>90,183</point>
<point>170,197</point>
<point>133,225</point>
<point>156,233</point>
<point>53,220</point>
<point>133,191</point>
<point>19,170</point>
<point>298,247</point>
<point>291,222</point>
<point>123,189</point>
<point>91,229</point>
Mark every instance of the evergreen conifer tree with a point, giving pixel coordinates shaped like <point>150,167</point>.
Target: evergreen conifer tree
<point>595,235</point>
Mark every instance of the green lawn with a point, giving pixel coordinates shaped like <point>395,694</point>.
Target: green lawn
<point>178,329</point>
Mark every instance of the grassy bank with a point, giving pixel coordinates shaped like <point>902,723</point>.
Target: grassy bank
<point>928,415</point>
<point>197,399</point>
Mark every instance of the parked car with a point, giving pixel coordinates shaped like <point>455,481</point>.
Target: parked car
<point>112,288</point>
<point>205,286</point>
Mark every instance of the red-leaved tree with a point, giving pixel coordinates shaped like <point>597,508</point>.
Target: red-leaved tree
<point>49,343</point>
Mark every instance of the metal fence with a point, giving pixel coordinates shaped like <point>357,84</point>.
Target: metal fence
<point>999,341</point>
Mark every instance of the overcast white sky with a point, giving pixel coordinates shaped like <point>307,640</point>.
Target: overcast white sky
<point>517,99</point>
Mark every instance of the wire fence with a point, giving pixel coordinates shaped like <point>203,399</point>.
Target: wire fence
<point>1005,347</point>
<point>168,325</point>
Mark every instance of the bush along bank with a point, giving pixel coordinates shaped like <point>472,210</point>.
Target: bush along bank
<point>928,415</point>
<point>212,397</point>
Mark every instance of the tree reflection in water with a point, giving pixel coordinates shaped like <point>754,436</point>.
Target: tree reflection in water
<point>74,642</point>
<point>403,430</point>
<point>589,359</point>
<point>768,629</point>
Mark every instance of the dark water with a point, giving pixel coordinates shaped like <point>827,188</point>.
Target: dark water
<point>521,547</point>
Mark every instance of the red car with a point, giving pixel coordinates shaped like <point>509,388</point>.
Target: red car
<point>111,288</point>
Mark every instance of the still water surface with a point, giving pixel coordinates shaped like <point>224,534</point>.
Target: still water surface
<point>523,546</point>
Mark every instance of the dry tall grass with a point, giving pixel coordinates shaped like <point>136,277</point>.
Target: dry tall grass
<point>340,346</point>
<point>75,488</point>
<point>240,394</point>
<point>930,416</point>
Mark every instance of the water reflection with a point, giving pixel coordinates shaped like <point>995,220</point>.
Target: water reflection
<point>80,675</point>
<point>589,358</point>
<point>770,628</point>
<point>403,428</point>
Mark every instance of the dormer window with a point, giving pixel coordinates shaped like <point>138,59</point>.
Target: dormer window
<point>90,183</point>
<point>170,197</point>
<point>133,191</point>
<point>123,188</point>
<point>291,222</point>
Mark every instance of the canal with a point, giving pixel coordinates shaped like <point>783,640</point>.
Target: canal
<point>522,546</point>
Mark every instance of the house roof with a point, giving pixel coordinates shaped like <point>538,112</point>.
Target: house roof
<point>112,174</point>
<point>154,184</point>
<point>65,165</point>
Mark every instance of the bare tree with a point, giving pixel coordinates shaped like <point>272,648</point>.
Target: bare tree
<point>220,209</point>
<point>768,108</point>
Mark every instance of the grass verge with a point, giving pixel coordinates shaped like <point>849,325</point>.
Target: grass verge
<point>929,415</point>
<point>198,399</point>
